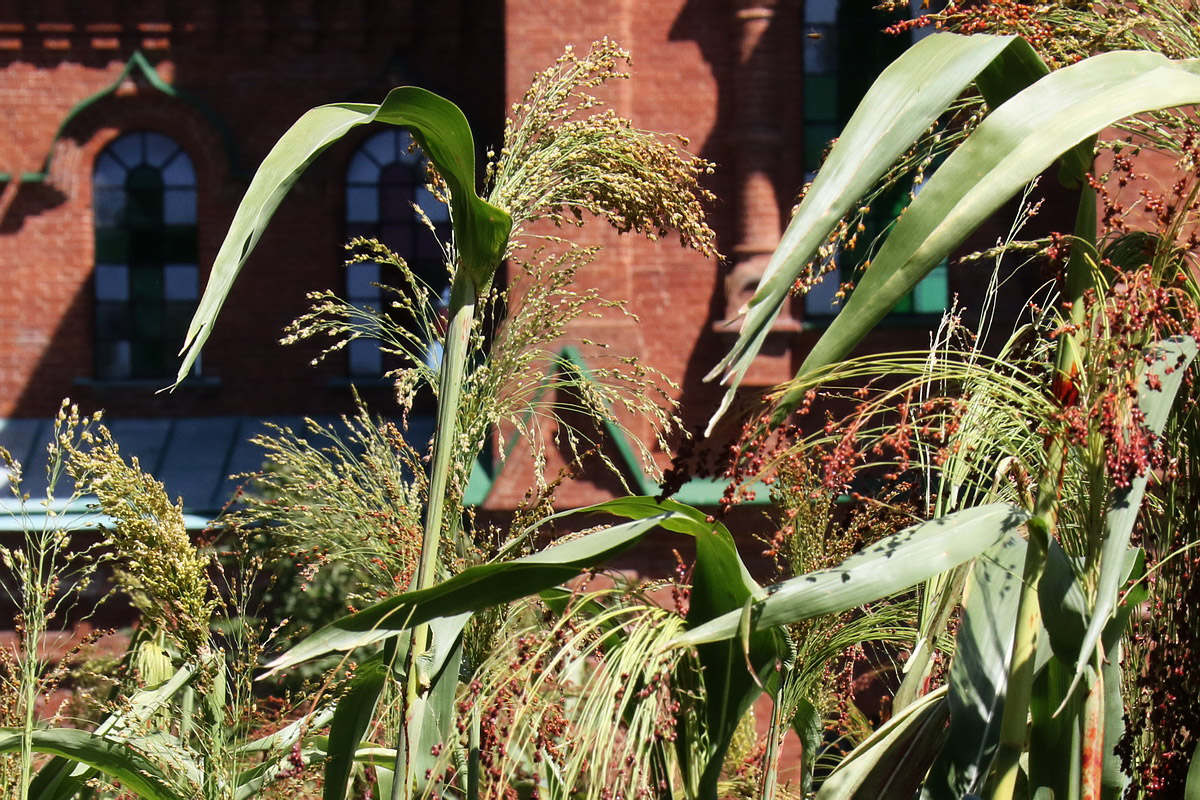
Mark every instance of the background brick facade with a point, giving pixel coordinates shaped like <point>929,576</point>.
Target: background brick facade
<point>243,71</point>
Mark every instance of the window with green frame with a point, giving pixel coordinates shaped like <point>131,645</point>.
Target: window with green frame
<point>146,281</point>
<point>836,76</point>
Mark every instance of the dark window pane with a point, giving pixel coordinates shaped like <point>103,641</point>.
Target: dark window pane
<point>127,150</point>
<point>362,169</point>
<point>362,204</point>
<point>397,192</point>
<point>150,359</point>
<point>158,149</point>
<point>112,245</point>
<point>364,357</point>
<point>435,209</point>
<point>399,237</point>
<point>112,321</point>
<point>147,284</point>
<point>427,247</point>
<point>178,173</point>
<point>384,146</point>
<point>179,207</point>
<point>181,282</point>
<point>109,172</point>
<point>147,322</point>
<point>108,207</point>
<point>178,244</point>
<point>820,98</point>
<point>178,318</point>
<point>360,279</point>
<point>113,359</point>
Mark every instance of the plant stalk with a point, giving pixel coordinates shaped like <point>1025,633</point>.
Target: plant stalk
<point>463,299</point>
<point>1014,725</point>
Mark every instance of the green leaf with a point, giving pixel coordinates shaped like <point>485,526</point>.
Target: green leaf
<point>731,671</point>
<point>809,728</point>
<point>439,127</point>
<point>118,760</point>
<point>1056,732</point>
<point>438,726</point>
<point>979,673</point>
<point>474,589</point>
<point>720,584</point>
<point>893,564</point>
<point>63,777</point>
<point>1169,361</point>
<point>1012,146</point>
<point>893,760</point>
<point>905,100</point>
<point>1063,604</point>
<point>1192,790</point>
<point>351,718</point>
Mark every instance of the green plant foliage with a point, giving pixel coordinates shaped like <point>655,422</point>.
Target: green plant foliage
<point>480,230</point>
<point>892,762</point>
<point>979,673</point>
<point>473,589</point>
<point>118,759</point>
<point>891,565</point>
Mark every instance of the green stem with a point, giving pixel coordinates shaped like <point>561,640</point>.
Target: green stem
<point>445,437</point>
<point>473,754</point>
<point>1014,725</point>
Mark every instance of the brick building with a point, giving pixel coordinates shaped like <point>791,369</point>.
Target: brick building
<point>128,131</point>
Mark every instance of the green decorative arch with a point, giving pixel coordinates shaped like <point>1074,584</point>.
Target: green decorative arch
<point>140,69</point>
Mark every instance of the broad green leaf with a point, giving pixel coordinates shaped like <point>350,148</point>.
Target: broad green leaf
<point>474,589</point>
<point>1012,146</point>
<point>118,760</point>
<point>437,731</point>
<point>1056,732</point>
<point>1169,361</point>
<point>905,100</point>
<point>720,584</point>
<point>351,718</point>
<point>62,777</point>
<point>1063,604</point>
<point>893,760</point>
<point>1113,780</point>
<point>439,127</point>
<point>979,673</point>
<point>891,565</point>
<point>809,728</point>
<point>1192,790</point>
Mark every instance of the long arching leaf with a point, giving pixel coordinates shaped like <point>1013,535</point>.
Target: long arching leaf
<point>893,564</point>
<point>892,761</point>
<point>720,584</point>
<point>473,589</point>
<point>979,673</point>
<point>1012,146</point>
<point>119,760</point>
<point>900,106</point>
<point>439,127</point>
<point>351,718</point>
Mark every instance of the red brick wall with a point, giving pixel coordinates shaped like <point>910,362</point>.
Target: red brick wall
<point>254,67</point>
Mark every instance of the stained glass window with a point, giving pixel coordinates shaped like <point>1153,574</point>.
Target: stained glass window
<point>385,178</point>
<point>146,279</point>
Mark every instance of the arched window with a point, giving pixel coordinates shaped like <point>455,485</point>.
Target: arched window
<point>146,279</point>
<point>385,178</point>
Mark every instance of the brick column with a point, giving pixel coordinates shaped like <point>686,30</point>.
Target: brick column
<point>756,140</point>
